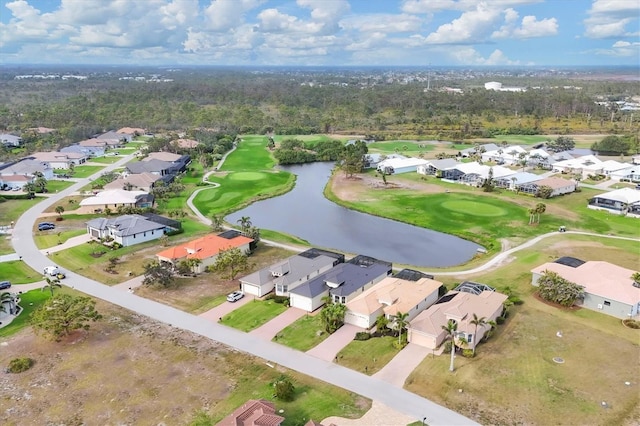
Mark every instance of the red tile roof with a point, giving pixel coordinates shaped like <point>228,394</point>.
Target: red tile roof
<point>254,412</point>
<point>203,248</point>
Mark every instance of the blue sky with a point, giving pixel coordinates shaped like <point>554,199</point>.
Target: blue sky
<point>321,32</point>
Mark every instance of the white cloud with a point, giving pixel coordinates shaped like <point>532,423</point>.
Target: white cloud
<point>222,15</point>
<point>430,6</point>
<point>529,28</point>
<point>382,23</point>
<point>468,55</point>
<point>621,48</point>
<point>471,26</point>
<point>609,18</point>
<point>325,18</point>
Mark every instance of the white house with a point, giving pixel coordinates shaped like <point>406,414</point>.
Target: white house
<point>435,167</point>
<point>624,201</point>
<point>629,174</point>
<point>126,230</point>
<point>400,165</point>
<point>114,198</point>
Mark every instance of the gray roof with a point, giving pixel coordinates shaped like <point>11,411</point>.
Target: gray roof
<point>111,135</point>
<point>293,268</point>
<point>487,147</point>
<point>443,164</point>
<point>24,167</point>
<point>125,225</point>
<point>350,278</point>
<point>149,166</point>
<point>522,177</point>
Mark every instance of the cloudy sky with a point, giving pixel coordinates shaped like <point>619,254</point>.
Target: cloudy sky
<point>321,32</point>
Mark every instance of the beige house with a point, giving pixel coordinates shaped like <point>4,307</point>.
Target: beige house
<point>389,297</point>
<point>114,198</point>
<point>608,288</point>
<point>60,160</point>
<point>459,306</point>
<point>138,182</point>
<point>162,156</point>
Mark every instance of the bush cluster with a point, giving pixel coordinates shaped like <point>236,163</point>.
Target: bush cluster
<point>362,335</point>
<point>18,365</point>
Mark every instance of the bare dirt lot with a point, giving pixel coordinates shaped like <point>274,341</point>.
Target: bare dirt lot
<point>129,370</point>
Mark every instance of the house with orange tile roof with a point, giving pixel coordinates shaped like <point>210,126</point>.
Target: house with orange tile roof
<point>608,288</point>
<point>458,305</point>
<point>255,412</point>
<point>186,143</point>
<point>389,297</point>
<point>205,249</point>
<point>131,131</point>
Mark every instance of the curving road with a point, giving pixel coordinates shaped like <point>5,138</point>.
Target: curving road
<point>375,389</point>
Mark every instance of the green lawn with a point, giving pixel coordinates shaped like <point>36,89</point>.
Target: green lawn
<point>303,334</point>
<point>85,171</point>
<point>368,356</point>
<point>106,160</point>
<point>408,148</point>
<point>18,272</point>
<point>246,176</point>
<point>313,399</point>
<point>52,238</point>
<point>11,210</point>
<point>281,237</point>
<point>54,186</point>
<point>253,314</point>
<point>29,301</point>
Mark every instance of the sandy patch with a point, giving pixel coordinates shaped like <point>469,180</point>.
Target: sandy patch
<point>356,188</point>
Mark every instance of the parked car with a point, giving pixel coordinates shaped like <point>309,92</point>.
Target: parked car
<point>235,296</point>
<point>45,226</point>
<point>52,271</point>
<point>4,285</point>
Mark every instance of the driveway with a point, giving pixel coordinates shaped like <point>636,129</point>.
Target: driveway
<point>398,369</point>
<point>379,414</point>
<point>329,348</point>
<point>71,242</point>
<point>221,310</point>
<point>269,330</point>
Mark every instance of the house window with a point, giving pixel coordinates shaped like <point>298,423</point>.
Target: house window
<point>144,235</point>
<point>607,303</point>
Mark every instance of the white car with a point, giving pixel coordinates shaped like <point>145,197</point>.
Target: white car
<point>235,296</point>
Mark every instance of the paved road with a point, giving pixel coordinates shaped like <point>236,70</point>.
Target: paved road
<point>378,390</point>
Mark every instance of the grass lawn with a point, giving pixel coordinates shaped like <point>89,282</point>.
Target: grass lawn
<point>303,333</point>
<point>11,210</point>
<point>69,204</point>
<point>85,171</point>
<point>18,272</point>
<point>106,160</point>
<point>281,237</point>
<point>47,239</point>
<point>29,301</point>
<point>513,378</point>
<point>253,314</point>
<point>54,186</point>
<point>246,176</point>
<point>5,244</point>
<point>368,356</point>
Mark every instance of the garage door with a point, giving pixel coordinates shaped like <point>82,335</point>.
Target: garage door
<point>251,289</point>
<point>356,319</point>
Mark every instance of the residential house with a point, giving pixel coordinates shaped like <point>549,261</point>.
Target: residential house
<point>539,158</point>
<point>127,230</point>
<point>512,182</point>
<point>115,139</point>
<point>11,182</point>
<point>60,160</point>
<point>94,144</point>
<point>156,167</point>
<point>289,273</point>
<point>608,288</point>
<point>133,131</point>
<point>629,174</point>
<point>635,159</point>
<point>474,173</point>
<point>458,305</point>
<point>205,249</point>
<point>558,186</point>
<point>371,160</point>
<point>88,151</point>
<point>611,166</point>
<point>114,198</point>
<point>162,156</point>
<point>507,155</point>
<point>341,283</point>
<point>587,165</point>
<point>389,297</point>
<point>469,152</point>
<point>624,201</point>
<point>400,165</point>
<point>185,143</point>
<point>436,167</point>
<point>258,412</point>
<point>9,140</point>
<point>138,182</point>
<point>16,174</point>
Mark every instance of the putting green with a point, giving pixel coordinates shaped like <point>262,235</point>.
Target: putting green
<point>247,176</point>
<point>475,208</point>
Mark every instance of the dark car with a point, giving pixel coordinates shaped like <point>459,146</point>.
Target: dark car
<point>4,285</point>
<point>44,226</point>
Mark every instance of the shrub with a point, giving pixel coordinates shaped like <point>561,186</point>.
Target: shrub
<point>447,346</point>
<point>399,345</point>
<point>280,299</point>
<point>468,353</point>
<point>18,365</point>
<point>362,335</point>
<point>632,323</point>
<point>500,320</point>
<point>284,389</point>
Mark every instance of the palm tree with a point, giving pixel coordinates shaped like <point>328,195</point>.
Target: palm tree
<point>401,323</point>
<point>540,208</point>
<point>476,322</point>
<point>51,283</point>
<point>451,328</point>
<point>492,325</point>
<point>532,215</point>
<point>245,223</point>
<point>636,279</point>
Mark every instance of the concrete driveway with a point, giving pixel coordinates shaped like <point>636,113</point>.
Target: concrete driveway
<point>398,369</point>
<point>221,310</point>
<point>270,329</point>
<point>333,344</point>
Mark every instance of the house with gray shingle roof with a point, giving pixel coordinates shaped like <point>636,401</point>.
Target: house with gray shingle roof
<point>156,167</point>
<point>342,283</point>
<point>127,229</point>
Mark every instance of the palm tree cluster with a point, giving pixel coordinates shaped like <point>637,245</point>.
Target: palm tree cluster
<point>554,288</point>
<point>535,212</point>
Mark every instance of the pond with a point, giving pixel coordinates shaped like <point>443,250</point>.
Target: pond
<point>307,214</point>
